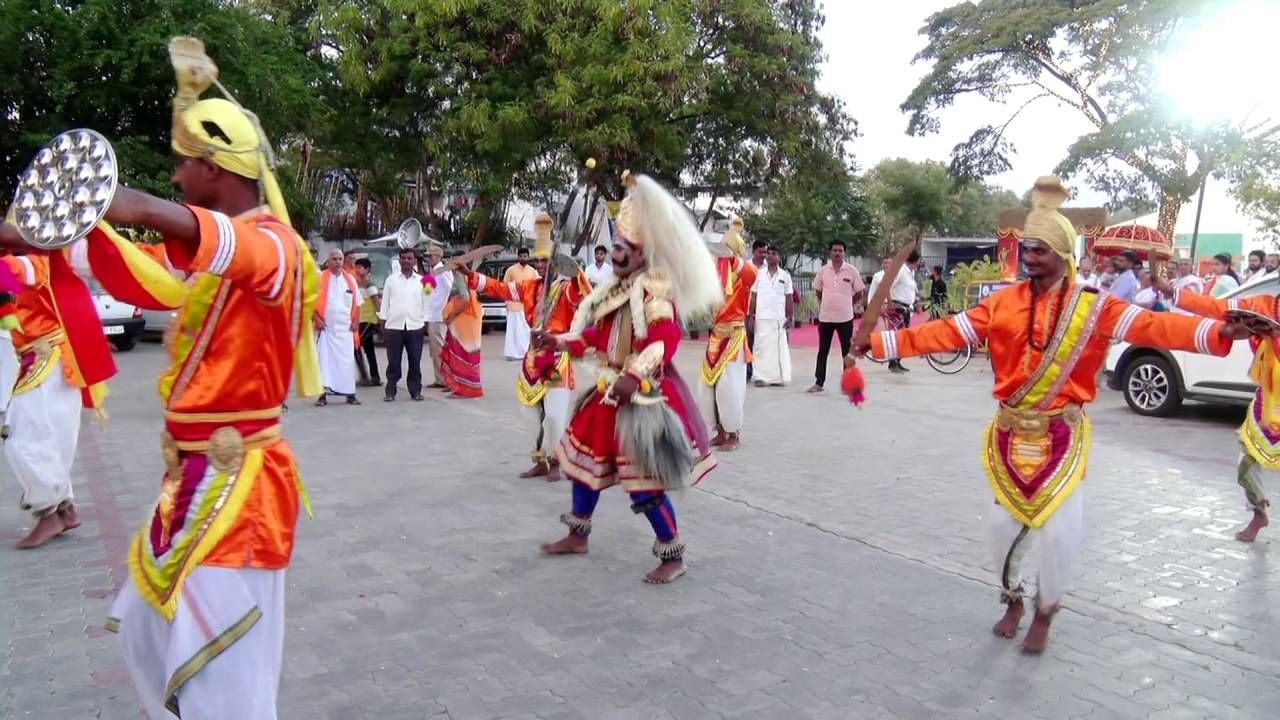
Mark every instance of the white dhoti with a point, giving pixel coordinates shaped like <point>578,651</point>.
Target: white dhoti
<point>772,351</point>
<point>1060,540</point>
<point>8,369</point>
<point>334,347</point>
<point>517,341</point>
<point>220,657</point>
<point>723,404</point>
<point>547,421</point>
<point>336,343</point>
<point>44,426</point>
<point>1249,474</point>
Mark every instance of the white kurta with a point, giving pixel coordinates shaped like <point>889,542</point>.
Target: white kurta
<point>517,335</point>
<point>44,426</point>
<point>336,343</point>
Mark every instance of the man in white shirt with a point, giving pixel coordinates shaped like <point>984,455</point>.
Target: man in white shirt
<point>336,324</point>
<point>770,315</point>
<point>600,270</point>
<point>903,294</point>
<point>1086,276</point>
<point>402,314</point>
<point>435,308</point>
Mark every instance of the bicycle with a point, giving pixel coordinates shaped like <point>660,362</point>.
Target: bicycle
<point>948,362</point>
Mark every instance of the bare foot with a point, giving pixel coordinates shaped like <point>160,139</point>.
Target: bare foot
<point>553,472</point>
<point>46,529</point>
<point>568,545</point>
<point>668,572</point>
<point>730,442</point>
<point>70,518</point>
<point>1038,634</point>
<point>539,469</point>
<point>1008,625</point>
<point>719,439</point>
<point>1250,532</point>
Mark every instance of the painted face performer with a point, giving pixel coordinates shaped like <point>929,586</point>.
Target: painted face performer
<point>1260,433</point>
<point>723,391</point>
<point>639,427</point>
<point>202,622</point>
<point>545,380</point>
<point>1047,339</point>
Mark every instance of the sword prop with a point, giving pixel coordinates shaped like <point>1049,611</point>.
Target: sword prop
<point>852,382</point>
<point>554,267</point>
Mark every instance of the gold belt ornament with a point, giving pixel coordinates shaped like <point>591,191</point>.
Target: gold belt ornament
<point>1035,423</point>
<point>225,449</point>
<point>1029,446</point>
<point>42,346</point>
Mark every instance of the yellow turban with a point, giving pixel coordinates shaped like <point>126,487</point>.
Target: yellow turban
<point>542,242</point>
<point>229,136</point>
<point>733,238</point>
<point>1046,224</point>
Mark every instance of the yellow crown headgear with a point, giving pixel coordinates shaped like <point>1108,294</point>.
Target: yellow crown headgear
<point>1046,224</point>
<point>733,238</point>
<point>626,223</point>
<point>542,243</point>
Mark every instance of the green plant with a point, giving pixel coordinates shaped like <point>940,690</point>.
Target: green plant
<point>963,274</point>
<point>808,309</point>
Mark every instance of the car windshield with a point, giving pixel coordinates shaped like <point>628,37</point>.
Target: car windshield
<point>382,261</point>
<point>1266,285</point>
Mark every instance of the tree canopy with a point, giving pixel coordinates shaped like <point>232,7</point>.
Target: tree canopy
<point>912,199</point>
<point>381,109</point>
<point>104,64</point>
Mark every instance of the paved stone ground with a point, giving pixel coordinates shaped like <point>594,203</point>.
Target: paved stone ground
<point>838,569</point>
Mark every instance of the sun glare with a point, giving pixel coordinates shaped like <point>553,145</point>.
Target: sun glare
<point>1221,66</point>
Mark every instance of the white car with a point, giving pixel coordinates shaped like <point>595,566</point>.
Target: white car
<point>1155,382</point>
<point>121,322</point>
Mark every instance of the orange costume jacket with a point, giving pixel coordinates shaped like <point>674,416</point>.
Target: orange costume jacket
<point>540,370</point>
<point>729,333</point>
<point>1260,432</point>
<point>231,491</point>
<point>1037,446</point>
<point>57,321</point>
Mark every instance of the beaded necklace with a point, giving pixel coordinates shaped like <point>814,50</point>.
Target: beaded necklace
<point>1055,317</point>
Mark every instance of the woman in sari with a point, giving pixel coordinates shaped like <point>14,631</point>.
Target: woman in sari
<point>460,360</point>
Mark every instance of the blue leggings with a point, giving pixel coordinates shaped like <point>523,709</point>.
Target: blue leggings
<point>654,504</point>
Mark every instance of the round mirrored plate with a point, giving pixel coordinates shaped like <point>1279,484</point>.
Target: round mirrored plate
<point>67,189</point>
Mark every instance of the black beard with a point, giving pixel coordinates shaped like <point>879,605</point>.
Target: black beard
<point>624,263</point>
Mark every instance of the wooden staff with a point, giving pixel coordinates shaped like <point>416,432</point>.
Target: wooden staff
<point>869,318</point>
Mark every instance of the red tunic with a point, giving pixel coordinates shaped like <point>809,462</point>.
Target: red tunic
<point>590,452</point>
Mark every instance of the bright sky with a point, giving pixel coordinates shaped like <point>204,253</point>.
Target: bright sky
<point>869,66</point>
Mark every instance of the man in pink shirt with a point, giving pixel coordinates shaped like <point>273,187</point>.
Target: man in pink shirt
<point>839,286</point>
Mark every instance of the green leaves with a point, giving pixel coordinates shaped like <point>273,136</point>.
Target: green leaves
<point>912,199</point>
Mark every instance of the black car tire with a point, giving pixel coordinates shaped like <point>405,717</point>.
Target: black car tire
<point>124,343</point>
<point>1151,387</point>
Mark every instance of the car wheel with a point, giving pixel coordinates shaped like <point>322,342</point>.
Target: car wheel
<point>124,344</point>
<point>1151,387</point>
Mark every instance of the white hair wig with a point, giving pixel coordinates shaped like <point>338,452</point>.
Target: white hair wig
<point>673,245</point>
